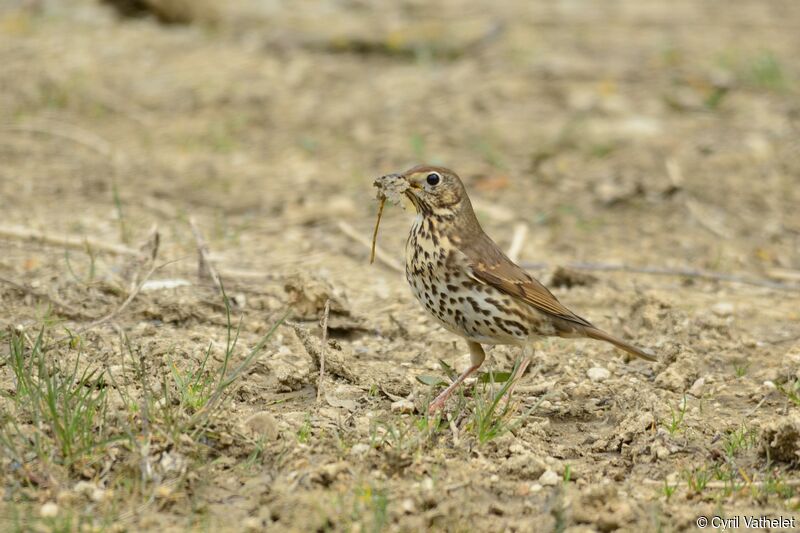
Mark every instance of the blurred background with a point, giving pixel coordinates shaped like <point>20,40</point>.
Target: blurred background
<point>647,133</point>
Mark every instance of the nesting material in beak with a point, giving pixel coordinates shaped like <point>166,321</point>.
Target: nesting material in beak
<point>391,187</point>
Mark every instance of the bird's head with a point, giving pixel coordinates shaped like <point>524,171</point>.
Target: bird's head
<point>436,191</point>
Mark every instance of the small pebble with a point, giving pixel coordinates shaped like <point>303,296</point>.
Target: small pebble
<point>722,308</point>
<point>403,406</point>
<point>549,478</point>
<point>661,452</point>
<point>770,384</point>
<point>251,523</point>
<point>696,389</point>
<point>408,506</point>
<point>516,448</point>
<point>49,510</point>
<point>536,487</point>
<point>598,374</point>
<point>359,449</point>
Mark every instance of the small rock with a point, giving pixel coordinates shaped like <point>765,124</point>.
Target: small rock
<point>516,448</point>
<point>722,309</point>
<point>49,510</point>
<point>251,523</point>
<point>536,487</point>
<point>403,406</point>
<point>263,424</point>
<point>359,449</point>
<point>408,506</point>
<point>84,488</point>
<point>696,389</point>
<point>549,478</point>
<point>769,384</point>
<point>660,451</point>
<point>427,484</point>
<point>598,374</point>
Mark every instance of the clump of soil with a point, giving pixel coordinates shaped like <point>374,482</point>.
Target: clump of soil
<point>780,439</point>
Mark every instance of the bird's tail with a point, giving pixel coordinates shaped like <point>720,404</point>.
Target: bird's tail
<point>594,333</point>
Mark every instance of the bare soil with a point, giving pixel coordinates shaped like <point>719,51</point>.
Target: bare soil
<point>647,134</point>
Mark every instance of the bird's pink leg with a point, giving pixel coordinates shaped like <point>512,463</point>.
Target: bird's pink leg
<point>476,355</point>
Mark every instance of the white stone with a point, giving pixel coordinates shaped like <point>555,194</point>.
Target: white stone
<point>403,406</point>
<point>598,374</point>
<point>549,478</point>
<point>359,449</point>
<point>49,510</point>
<point>722,308</point>
<point>251,523</point>
<point>770,385</point>
<point>696,389</point>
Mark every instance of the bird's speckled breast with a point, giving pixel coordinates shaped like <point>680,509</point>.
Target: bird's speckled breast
<point>440,279</point>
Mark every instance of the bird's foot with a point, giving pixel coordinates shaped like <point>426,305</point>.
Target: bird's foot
<point>436,405</point>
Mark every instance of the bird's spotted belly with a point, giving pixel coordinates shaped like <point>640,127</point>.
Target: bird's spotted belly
<point>473,310</point>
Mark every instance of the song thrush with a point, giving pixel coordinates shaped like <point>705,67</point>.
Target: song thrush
<point>462,278</point>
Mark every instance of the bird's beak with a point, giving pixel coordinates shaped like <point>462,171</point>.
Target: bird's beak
<point>411,183</point>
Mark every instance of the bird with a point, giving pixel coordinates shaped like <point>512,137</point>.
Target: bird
<point>468,285</point>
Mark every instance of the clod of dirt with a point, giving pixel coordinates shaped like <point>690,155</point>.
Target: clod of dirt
<point>566,277</point>
<point>681,372</point>
<point>603,507</point>
<point>524,466</point>
<point>780,440</point>
<point>307,296</point>
<point>633,429</point>
<point>290,370</point>
<point>263,424</point>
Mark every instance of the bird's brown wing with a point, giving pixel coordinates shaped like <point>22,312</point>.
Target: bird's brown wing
<point>491,266</point>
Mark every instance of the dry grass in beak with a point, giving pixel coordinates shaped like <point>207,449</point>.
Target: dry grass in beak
<point>375,232</point>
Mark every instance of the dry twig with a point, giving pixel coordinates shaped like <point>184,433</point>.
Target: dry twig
<point>324,343</point>
<point>517,241</point>
<point>335,360</point>
<point>64,241</point>
<point>662,271</point>
<point>71,133</point>
<point>205,269</point>
<point>65,309</point>
<point>152,246</point>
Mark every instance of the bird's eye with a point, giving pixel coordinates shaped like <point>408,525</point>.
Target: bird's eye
<point>432,179</point>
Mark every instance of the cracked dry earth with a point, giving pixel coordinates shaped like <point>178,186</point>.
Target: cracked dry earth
<point>646,134</point>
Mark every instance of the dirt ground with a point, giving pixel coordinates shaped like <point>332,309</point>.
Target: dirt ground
<point>650,135</point>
